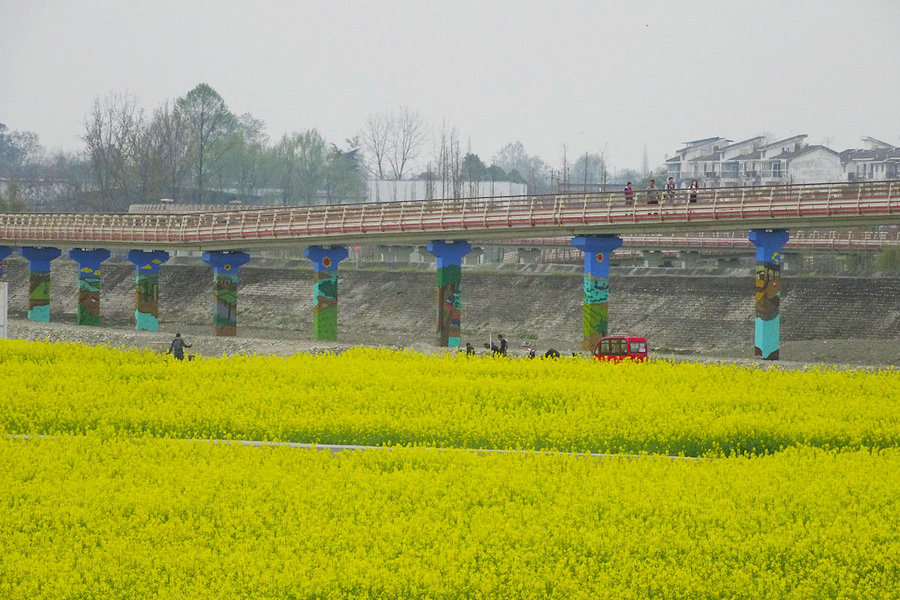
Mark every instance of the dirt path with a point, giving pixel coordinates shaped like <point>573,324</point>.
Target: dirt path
<point>796,354</point>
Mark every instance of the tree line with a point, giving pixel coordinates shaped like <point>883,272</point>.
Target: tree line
<point>195,149</point>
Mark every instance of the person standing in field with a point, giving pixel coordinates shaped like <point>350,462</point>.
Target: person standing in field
<point>503,344</point>
<point>177,347</point>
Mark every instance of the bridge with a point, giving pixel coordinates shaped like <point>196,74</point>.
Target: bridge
<point>593,223</point>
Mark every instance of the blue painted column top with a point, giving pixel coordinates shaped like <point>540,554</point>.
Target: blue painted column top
<point>39,258</point>
<point>147,260</point>
<point>90,259</point>
<point>225,261</point>
<point>768,244</point>
<point>4,252</point>
<point>326,259</point>
<point>449,253</point>
<point>597,251</point>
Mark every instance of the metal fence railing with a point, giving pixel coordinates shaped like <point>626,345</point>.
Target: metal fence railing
<point>833,205</point>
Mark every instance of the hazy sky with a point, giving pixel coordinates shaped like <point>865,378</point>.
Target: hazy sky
<point>596,76</point>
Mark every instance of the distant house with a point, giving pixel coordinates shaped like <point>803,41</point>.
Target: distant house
<point>879,161</point>
<point>718,162</point>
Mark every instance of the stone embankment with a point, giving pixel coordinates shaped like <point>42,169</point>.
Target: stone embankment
<point>681,312</point>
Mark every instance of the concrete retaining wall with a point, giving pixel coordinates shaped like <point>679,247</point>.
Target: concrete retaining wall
<point>691,310</point>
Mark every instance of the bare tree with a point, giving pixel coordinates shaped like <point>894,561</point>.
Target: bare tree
<point>112,134</point>
<point>375,136</point>
<point>395,138</point>
<point>408,133</point>
<point>170,160</point>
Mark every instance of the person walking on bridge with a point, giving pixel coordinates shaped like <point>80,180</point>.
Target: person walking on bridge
<point>670,191</point>
<point>652,193</point>
<point>177,347</point>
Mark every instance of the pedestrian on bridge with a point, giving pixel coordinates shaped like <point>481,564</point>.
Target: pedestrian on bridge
<point>652,193</point>
<point>670,191</point>
<point>629,194</point>
<point>693,191</point>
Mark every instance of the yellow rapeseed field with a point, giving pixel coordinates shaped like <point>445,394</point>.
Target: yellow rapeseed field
<point>93,517</point>
<point>383,397</point>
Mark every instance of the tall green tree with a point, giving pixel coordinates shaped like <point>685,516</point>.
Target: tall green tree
<point>301,161</point>
<point>345,179</point>
<point>209,124</point>
<point>17,149</point>
<point>473,168</point>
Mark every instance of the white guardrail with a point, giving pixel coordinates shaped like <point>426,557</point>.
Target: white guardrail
<point>813,205</point>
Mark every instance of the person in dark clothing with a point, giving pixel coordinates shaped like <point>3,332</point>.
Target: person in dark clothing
<point>551,353</point>
<point>494,348</point>
<point>177,347</point>
<point>470,350</point>
<point>503,344</point>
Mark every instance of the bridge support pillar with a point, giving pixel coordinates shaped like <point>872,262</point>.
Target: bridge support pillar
<point>449,257</point>
<point>4,252</point>
<point>146,287</point>
<point>473,257</point>
<point>791,261</point>
<point>652,258</point>
<point>88,283</point>
<point>768,244</point>
<point>528,256</point>
<point>728,262</point>
<point>325,289</point>
<point>39,281</point>
<point>690,259</point>
<point>398,254</point>
<point>597,251</point>
<point>225,264</point>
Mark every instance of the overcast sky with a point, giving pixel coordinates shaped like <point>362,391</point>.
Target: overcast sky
<point>595,76</point>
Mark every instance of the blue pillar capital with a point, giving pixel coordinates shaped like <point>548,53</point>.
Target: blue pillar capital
<point>597,251</point>
<point>449,253</point>
<point>90,258</point>
<point>147,260</point>
<point>768,244</point>
<point>39,258</point>
<point>225,261</point>
<point>326,258</point>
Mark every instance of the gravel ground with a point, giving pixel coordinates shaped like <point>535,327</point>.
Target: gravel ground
<point>797,354</point>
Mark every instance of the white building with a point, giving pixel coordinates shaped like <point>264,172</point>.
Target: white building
<point>879,161</point>
<point>718,162</point>
<point>398,191</point>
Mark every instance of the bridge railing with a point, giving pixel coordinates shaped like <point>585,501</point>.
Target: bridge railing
<point>457,216</point>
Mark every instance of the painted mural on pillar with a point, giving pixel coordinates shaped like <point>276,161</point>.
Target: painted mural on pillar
<point>325,304</point>
<point>39,296</point>
<point>146,314</point>
<point>449,297</point>
<point>88,296</point>
<point>596,310</point>
<point>225,290</point>
<point>768,301</point>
